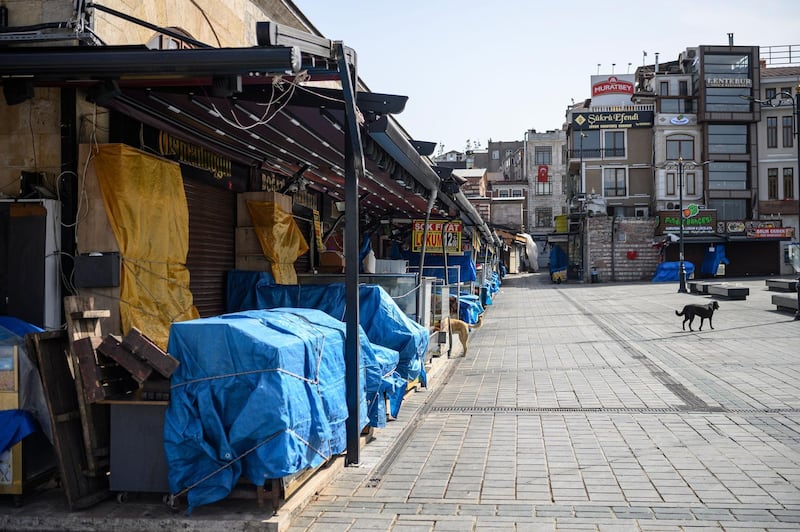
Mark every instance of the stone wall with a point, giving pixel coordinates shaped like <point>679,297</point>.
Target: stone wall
<point>621,248</point>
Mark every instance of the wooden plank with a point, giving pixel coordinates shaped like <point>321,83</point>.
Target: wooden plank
<point>143,347</point>
<point>95,417</point>
<point>87,362</point>
<point>81,491</point>
<point>91,314</point>
<point>125,357</point>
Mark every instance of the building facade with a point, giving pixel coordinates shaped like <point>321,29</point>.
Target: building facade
<point>545,173</point>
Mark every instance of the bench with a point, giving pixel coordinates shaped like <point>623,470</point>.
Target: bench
<point>729,290</point>
<point>700,287</point>
<point>785,302</point>
<point>782,285</point>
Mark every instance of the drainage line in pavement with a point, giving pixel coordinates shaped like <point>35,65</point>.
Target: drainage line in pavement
<point>404,437</point>
<point>691,401</point>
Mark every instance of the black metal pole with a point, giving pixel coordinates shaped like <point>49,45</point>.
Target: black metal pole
<point>354,171</point>
<point>796,109</point>
<point>682,272</point>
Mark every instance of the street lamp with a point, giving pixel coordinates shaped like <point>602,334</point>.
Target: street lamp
<point>581,203</point>
<point>680,164</point>
<point>778,101</point>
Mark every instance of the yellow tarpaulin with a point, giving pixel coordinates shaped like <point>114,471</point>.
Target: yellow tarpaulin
<point>280,239</point>
<point>147,209</point>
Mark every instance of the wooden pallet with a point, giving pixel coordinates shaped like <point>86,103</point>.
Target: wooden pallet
<point>81,489</point>
<point>83,321</point>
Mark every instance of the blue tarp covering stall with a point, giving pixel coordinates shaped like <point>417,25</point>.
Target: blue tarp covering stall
<point>558,264</point>
<point>383,321</point>
<point>714,256</point>
<point>434,265</point>
<point>670,271</point>
<point>259,394</point>
<point>469,308</point>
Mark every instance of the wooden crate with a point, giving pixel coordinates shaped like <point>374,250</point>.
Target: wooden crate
<point>243,215</point>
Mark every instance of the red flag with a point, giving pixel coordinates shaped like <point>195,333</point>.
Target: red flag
<point>541,176</point>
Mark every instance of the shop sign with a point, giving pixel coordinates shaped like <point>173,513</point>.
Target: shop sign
<point>771,232</point>
<point>439,231</point>
<point>755,228</point>
<point>194,155</point>
<point>695,220</point>
<point>612,120</point>
<point>612,90</point>
<point>728,82</point>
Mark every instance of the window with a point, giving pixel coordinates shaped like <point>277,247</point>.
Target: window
<point>672,180</point>
<point>588,142</point>
<point>614,143</point>
<point>496,155</point>
<point>723,138</point>
<point>772,132</point>
<point>544,189</point>
<point>680,146</point>
<point>614,182</point>
<point>788,183</point>
<point>690,184</point>
<point>677,105</point>
<point>772,183</point>
<point>727,176</point>
<point>508,153</point>
<point>516,193</point>
<point>683,88</point>
<point>729,69</point>
<point>770,94</point>
<point>729,209</point>
<point>664,88</point>
<point>787,90</point>
<point>544,216</point>
<point>787,131</point>
<point>543,155</point>
<point>503,193</point>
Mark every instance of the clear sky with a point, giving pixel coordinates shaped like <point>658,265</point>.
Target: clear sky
<point>480,70</point>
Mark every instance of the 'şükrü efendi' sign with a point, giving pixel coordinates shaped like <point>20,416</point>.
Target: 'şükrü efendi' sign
<point>612,120</point>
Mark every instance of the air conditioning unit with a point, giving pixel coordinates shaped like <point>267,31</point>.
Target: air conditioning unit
<point>670,206</point>
<point>641,212</point>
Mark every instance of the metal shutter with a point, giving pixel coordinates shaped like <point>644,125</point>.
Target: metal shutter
<point>212,223</point>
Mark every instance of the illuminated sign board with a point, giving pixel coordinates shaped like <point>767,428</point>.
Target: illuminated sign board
<point>695,220</point>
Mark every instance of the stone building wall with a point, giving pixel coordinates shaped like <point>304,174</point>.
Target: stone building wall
<point>621,249</point>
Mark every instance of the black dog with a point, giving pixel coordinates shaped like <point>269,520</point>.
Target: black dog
<point>704,311</point>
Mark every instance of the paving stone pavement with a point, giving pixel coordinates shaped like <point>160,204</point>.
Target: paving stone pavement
<point>586,407</point>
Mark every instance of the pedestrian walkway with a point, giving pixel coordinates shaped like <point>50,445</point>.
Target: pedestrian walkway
<point>587,407</point>
<point>578,407</point>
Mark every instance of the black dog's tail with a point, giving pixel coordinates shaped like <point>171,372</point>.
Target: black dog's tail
<point>678,313</point>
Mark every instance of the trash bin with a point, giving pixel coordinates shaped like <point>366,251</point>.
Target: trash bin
<point>594,275</point>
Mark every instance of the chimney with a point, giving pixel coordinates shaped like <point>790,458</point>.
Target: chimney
<point>730,39</point>
<point>656,65</point>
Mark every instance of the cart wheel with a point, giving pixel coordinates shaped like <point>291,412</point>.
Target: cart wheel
<point>122,497</point>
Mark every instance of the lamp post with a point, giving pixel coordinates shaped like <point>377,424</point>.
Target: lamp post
<point>777,101</point>
<point>680,164</point>
<point>581,203</point>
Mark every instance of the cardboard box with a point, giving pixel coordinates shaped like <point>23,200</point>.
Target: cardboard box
<point>243,215</point>
<point>331,262</point>
<point>247,242</point>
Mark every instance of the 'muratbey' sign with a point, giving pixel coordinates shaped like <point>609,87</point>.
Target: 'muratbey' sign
<point>613,90</point>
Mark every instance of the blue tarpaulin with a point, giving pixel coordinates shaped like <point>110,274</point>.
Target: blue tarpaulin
<point>15,425</point>
<point>383,321</point>
<point>670,271</point>
<point>259,394</point>
<point>713,257</point>
<point>434,265</point>
<point>469,308</point>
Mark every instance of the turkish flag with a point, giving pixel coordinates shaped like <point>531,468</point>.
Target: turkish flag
<point>541,176</point>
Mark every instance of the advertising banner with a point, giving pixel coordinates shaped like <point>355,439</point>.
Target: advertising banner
<point>439,231</point>
<point>613,90</point>
<point>695,221</point>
